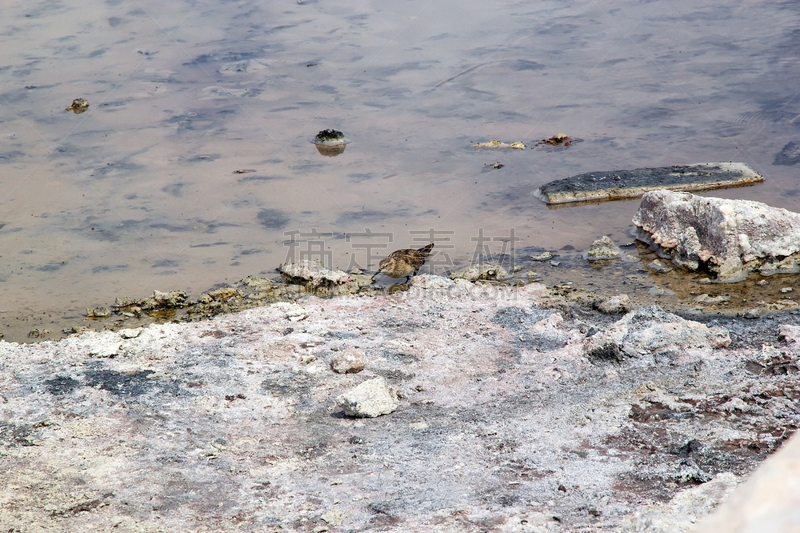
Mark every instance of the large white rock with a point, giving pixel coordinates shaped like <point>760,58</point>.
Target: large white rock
<point>313,273</point>
<point>730,237</point>
<point>370,399</point>
<point>651,330</point>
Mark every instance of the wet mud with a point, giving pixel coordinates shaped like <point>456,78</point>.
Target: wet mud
<point>139,192</point>
<point>639,273</point>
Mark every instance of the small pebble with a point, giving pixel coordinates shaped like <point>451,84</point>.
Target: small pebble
<point>349,361</point>
<point>752,313</point>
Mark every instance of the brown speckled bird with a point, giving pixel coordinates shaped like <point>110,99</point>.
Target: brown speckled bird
<point>404,262</point>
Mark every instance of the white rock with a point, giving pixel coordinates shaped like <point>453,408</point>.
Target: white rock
<point>732,237</point>
<point>101,344</point>
<point>620,303</point>
<point>294,312</point>
<point>314,273</point>
<point>334,518</point>
<point>370,399</point>
<point>130,333</point>
<point>349,361</point>
<point>479,271</point>
<point>789,333</point>
<point>651,329</point>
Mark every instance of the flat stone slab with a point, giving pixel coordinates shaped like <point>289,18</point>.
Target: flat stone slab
<point>618,184</point>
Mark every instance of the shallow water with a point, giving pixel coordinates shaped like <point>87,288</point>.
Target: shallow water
<point>140,191</point>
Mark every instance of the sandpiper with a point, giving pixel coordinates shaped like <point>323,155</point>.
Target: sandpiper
<point>404,262</point>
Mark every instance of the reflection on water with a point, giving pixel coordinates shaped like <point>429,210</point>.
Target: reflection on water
<point>142,191</point>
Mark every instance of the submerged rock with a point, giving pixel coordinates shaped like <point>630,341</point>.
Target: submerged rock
<point>164,300</point>
<point>789,155</point>
<point>516,145</point>
<point>98,312</point>
<point>728,237</point>
<point>603,249</point>
<point>330,142</point>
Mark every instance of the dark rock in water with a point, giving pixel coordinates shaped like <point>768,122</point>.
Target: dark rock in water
<point>618,184</point>
<point>330,142</point>
<point>330,136</point>
<point>790,154</point>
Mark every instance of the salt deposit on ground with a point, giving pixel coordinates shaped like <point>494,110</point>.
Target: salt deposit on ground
<point>508,417</point>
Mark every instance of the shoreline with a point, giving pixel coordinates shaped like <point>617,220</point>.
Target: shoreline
<point>639,273</point>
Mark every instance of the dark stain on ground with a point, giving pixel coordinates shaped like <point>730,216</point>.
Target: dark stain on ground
<point>13,435</point>
<point>203,158</point>
<point>288,384</point>
<point>121,383</point>
<point>61,385</point>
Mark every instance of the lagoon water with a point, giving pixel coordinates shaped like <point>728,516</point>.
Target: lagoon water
<point>140,192</point>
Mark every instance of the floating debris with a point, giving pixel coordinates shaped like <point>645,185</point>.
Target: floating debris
<point>79,105</point>
<point>492,166</point>
<point>559,139</point>
<point>618,184</point>
<point>518,145</point>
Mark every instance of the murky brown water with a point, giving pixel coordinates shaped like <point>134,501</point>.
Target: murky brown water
<point>140,191</point>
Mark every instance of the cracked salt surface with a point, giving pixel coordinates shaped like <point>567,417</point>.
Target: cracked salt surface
<point>506,422</point>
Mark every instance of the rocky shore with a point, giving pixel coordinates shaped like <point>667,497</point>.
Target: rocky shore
<point>504,409</point>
